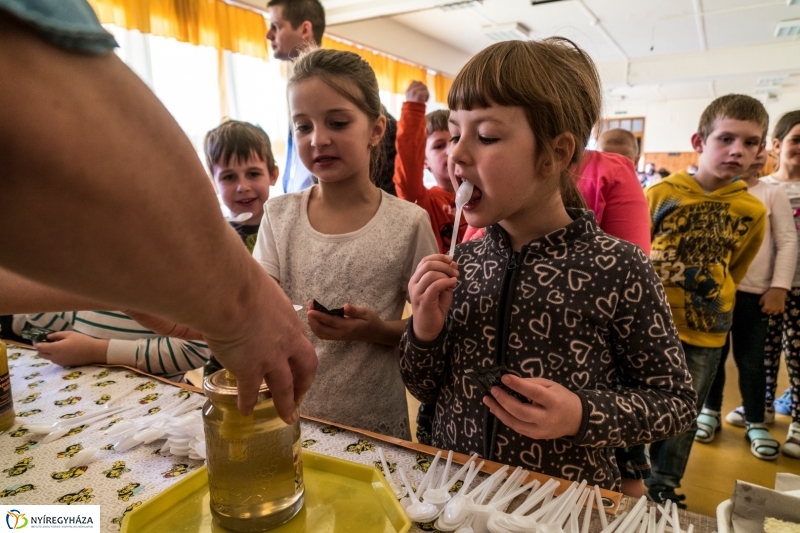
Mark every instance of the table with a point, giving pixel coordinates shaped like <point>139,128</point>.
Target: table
<point>35,473</point>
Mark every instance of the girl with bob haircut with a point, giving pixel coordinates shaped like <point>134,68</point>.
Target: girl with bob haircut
<point>575,320</point>
<point>347,244</point>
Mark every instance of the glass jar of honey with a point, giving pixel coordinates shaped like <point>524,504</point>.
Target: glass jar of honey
<point>6,403</point>
<point>255,471</point>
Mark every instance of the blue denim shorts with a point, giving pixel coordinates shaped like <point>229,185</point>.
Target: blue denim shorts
<point>69,24</point>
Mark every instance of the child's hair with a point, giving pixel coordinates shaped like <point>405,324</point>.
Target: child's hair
<point>619,138</point>
<point>299,11</point>
<point>239,140</point>
<point>553,80</point>
<point>737,107</point>
<point>785,125</point>
<point>437,121</point>
<point>352,77</point>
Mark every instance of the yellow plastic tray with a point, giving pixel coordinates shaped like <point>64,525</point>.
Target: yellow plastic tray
<point>340,497</point>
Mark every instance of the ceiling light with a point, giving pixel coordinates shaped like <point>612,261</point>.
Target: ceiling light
<point>774,80</point>
<point>788,28</point>
<point>514,31</point>
<point>460,5</point>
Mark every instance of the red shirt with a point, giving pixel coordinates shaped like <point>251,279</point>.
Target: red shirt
<point>408,170</point>
<point>611,189</point>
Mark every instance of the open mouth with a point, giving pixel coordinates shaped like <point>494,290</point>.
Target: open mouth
<point>246,201</point>
<point>324,160</point>
<point>476,195</point>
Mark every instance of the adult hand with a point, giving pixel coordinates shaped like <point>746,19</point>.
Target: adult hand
<point>555,411</point>
<point>68,348</point>
<point>430,290</point>
<point>773,302</point>
<point>266,341</point>
<point>417,92</point>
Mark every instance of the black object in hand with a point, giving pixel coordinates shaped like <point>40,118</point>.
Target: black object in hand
<point>487,378</point>
<point>322,309</point>
<point>35,334</point>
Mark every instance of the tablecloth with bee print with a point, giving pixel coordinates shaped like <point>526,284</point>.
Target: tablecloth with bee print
<point>35,473</point>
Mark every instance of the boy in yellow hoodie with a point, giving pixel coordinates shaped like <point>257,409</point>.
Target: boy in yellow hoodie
<point>705,231</point>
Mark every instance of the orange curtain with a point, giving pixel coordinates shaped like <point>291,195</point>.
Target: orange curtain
<point>393,75</point>
<point>199,22</point>
<point>441,87</point>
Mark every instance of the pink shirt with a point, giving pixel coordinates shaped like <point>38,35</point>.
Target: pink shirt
<point>611,189</point>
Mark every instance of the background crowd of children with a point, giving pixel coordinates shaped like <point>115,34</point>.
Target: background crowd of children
<point>608,307</point>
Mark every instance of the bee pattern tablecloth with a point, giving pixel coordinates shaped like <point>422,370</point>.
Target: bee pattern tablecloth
<point>35,473</point>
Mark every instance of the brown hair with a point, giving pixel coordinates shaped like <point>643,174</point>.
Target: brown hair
<point>553,80</point>
<point>237,140</point>
<point>352,77</point>
<point>785,125</point>
<point>737,107</point>
<point>618,137</point>
<point>437,121</point>
<point>299,11</point>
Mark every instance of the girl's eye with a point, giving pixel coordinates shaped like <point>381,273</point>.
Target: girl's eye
<point>302,128</point>
<point>339,124</point>
<point>487,140</point>
<point>454,139</point>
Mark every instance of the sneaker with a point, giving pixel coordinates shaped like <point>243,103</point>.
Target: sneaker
<point>664,494</point>
<point>783,405</point>
<point>791,448</point>
<point>736,417</point>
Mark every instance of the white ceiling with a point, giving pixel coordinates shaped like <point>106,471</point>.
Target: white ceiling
<point>645,49</point>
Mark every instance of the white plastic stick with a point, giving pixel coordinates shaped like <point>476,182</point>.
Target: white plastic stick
<point>600,509</point>
<point>587,516</point>
<point>616,523</point>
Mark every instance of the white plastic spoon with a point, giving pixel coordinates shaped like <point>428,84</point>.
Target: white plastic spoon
<point>463,195</point>
<point>417,511</point>
<point>241,217</point>
<point>398,491</point>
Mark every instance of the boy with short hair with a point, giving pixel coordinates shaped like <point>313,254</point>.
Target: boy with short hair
<point>239,158</point>
<point>422,143</point>
<point>705,229</point>
<point>619,141</point>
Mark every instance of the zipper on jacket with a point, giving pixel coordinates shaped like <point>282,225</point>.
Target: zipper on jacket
<point>502,342</point>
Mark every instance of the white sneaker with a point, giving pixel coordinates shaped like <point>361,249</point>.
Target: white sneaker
<point>791,447</point>
<point>736,417</point>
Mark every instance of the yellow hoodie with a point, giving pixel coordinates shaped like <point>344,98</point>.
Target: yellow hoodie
<point>702,244</point>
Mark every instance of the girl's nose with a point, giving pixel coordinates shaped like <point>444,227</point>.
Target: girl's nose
<point>319,137</point>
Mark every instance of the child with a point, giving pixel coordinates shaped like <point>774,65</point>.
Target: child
<point>761,294</point>
<point>114,338</point>
<point>347,244</point>
<point>239,157</point>
<point>569,311</point>
<point>422,142</point>
<point>706,229</point>
<point>782,329</point>
<point>619,141</point>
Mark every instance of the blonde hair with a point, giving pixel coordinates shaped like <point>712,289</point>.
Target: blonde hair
<point>350,76</point>
<point>737,107</point>
<point>553,80</point>
<point>437,121</point>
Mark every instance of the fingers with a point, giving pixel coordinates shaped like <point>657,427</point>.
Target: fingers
<point>507,418</point>
<point>357,311</point>
<point>436,263</point>
<point>58,336</point>
<point>303,365</point>
<point>281,383</point>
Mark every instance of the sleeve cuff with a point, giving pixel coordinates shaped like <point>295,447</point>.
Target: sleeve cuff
<point>414,107</point>
<point>581,435</point>
<point>121,353</point>
<point>425,345</point>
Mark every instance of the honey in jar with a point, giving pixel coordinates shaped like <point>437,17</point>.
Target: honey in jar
<point>6,403</point>
<point>255,471</point>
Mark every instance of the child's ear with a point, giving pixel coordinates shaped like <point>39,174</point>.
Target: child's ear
<point>698,143</point>
<point>273,175</point>
<point>564,149</point>
<point>776,146</point>
<point>378,130</point>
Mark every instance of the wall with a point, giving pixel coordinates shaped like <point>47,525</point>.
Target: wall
<point>669,125</point>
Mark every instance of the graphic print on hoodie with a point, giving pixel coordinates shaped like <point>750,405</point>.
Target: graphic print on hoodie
<point>702,244</point>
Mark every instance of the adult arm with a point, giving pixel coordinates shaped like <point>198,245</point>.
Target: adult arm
<point>21,295</point>
<point>89,149</point>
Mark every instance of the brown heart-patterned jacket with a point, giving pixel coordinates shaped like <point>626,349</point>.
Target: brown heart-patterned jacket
<point>578,307</point>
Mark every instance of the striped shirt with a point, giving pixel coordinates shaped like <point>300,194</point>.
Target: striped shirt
<point>130,344</point>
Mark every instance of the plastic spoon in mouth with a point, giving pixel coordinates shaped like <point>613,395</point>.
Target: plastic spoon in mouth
<point>463,195</point>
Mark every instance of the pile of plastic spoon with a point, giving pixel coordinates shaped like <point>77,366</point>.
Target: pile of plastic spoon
<point>439,496</point>
<point>417,510</point>
<point>61,427</point>
<point>398,491</point>
<point>463,194</point>
<point>510,490</point>
<point>501,522</point>
<point>456,512</point>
